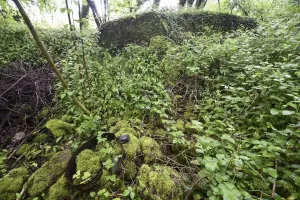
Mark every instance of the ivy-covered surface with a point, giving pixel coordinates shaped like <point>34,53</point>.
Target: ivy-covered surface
<point>141,28</point>
<point>213,117</point>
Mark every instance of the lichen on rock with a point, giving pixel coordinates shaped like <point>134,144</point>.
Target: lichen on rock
<point>159,183</point>
<point>12,183</point>
<point>59,190</point>
<point>150,149</point>
<point>48,174</point>
<point>60,128</point>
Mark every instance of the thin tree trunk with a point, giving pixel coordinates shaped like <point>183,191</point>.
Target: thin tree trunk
<point>190,3</point>
<point>69,17</point>
<point>79,15</point>
<point>201,3</point>
<point>47,56</point>
<point>96,15</point>
<point>182,2</point>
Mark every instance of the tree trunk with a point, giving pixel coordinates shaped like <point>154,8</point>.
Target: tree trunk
<point>69,17</point>
<point>190,3</point>
<point>96,15</point>
<point>201,3</point>
<point>182,2</point>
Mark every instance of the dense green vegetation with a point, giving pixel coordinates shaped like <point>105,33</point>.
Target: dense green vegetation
<point>214,116</point>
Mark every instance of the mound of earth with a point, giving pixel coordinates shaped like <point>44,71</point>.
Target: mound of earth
<point>143,27</point>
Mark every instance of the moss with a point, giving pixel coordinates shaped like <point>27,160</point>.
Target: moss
<point>59,190</point>
<point>48,174</point>
<point>119,125</point>
<point>161,132</point>
<point>159,183</point>
<point>150,149</point>
<point>24,148</point>
<point>12,183</point>
<point>88,161</point>
<point>179,125</point>
<point>130,169</point>
<point>40,138</point>
<point>66,118</point>
<point>112,121</point>
<point>126,130</point>
<point>60,128</point>
<point>132,148</point>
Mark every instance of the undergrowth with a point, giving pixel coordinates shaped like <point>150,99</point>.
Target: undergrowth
<point>224,108</point>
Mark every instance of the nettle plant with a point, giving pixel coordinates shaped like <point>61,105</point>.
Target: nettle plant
<point>249,110</point>
<point>130,83</point>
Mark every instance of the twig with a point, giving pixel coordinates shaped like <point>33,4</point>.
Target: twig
<point>13,85</point>
<point>274,184</point>
<point>190,192</point>
<point>9,157</point>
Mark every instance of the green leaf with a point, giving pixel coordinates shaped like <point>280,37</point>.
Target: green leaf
<point>211,166</point>
<point>271,171</point>
<point>125,193</point>
<point>132,195</point>
<point>274,111</point>
<point>288,112</point>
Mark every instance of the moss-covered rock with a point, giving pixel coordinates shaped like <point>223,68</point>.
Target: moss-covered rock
<point>129,169</point>
<point>131,148</point>
<point>160,132</point>
<point>150,149</point>
<point>120,124</point>
<point>48,174</point>
<point>24,148</point>
<point>59,190</point>
<point>88,161</point>
<point>60,128</point>
<point>143,27</point>
<point>126,130</point>
<point>159,183</point>
<point>40,138</point>
<point>12,183</point>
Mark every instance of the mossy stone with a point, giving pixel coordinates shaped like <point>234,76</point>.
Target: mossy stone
<point>120,124</point>
<point>60,128</point>
<point>24,148</point>
<point>48,174</point>
<point>129,170</point>
<point>12,183</point>
<point>88,161</point>
<point>150,149</point>
<point>161,132</point>
<point>131,148</point>
<point>59,190</point>
<point>126,130</point>
<point>40,138</point>
<point>159,183</point>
